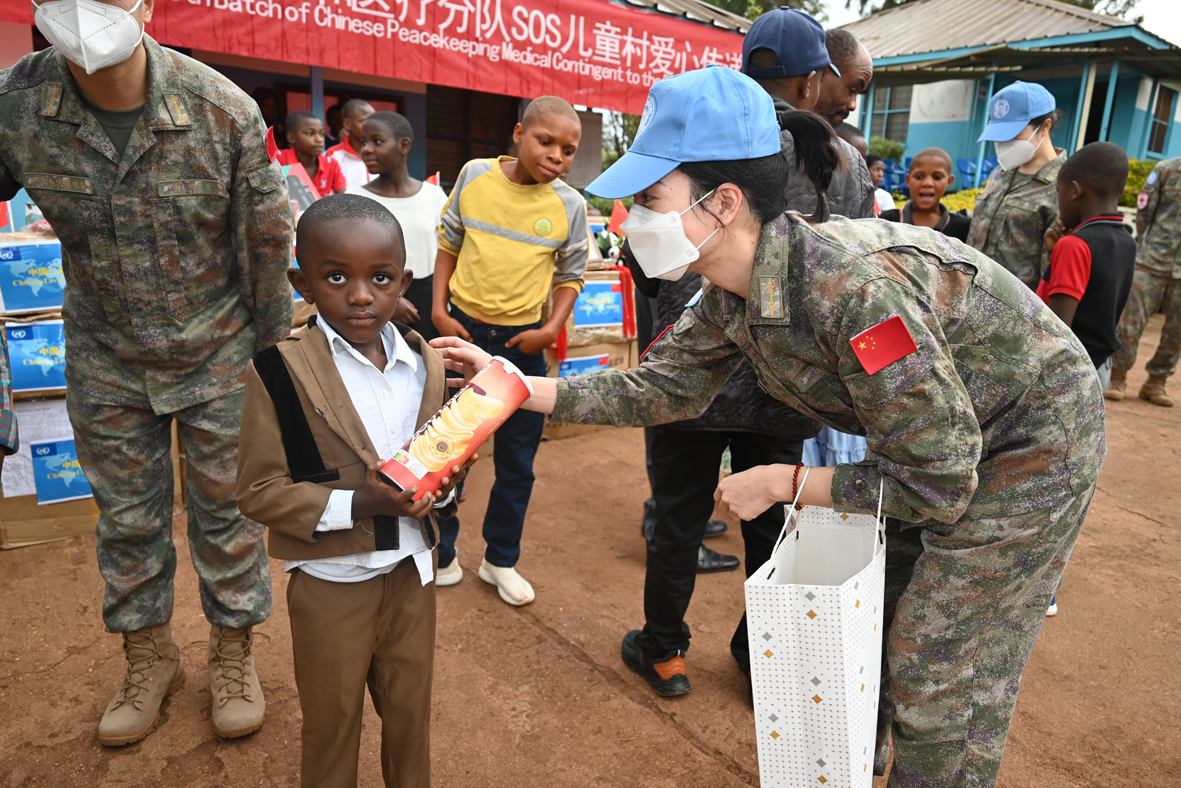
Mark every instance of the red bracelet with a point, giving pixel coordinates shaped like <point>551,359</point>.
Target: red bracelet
<point>795,490</point>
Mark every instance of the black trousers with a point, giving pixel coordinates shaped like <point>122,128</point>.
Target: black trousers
<point>685,475</point>
<point>421,294</point>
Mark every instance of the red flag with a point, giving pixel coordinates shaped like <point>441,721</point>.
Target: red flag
<point>879,347</point>
<point>272,148</point>
<point>433,179</point>
<point>618,215</point>
<point>5,214</point>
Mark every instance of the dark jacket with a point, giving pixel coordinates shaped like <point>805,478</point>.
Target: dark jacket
<point>851,191</point>
<point>741,405</point>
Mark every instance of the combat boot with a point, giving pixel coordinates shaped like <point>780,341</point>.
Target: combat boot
<point>154,671</point>
<point>1153,390</point>
<point>1119,382</point>
<point>238,706</point>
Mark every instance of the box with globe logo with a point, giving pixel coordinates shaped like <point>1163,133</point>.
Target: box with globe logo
<point>37,355</point>
<point>453,435</point>
<point>57,473</point>
<point>31,278</point>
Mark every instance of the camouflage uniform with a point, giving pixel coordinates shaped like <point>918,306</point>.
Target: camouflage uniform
<point>1011,217</point>
<point>175,258</point>
<point>1157,282</point>
<point>989,439</point>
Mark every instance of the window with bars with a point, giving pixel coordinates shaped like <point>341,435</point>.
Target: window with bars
<point>1166,102</point>
<point>891,112</point>
<point>463,125</point>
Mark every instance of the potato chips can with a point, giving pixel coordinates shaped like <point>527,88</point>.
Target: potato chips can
<point>453,435</point>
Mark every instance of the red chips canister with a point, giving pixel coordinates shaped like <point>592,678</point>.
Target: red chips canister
<point>454,434</point>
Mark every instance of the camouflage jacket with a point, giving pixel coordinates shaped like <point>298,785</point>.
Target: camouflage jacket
<point>1011,217</point>
<point>851,191</point>
<point>175,254</point>
<point>1158,220</point>
<point>9,438</point>
<point>998,412</point>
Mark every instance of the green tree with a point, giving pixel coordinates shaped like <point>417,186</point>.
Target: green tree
<point>1117,8</point>
<point>753,9</point>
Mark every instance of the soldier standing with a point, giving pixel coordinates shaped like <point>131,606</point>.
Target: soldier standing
<point>1020,201</point>
<point>176,237</point>
<point>1155,285</point>
<point>983,412</point>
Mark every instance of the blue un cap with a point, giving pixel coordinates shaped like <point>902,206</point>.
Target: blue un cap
<point>710,114</point>
<point>1011,109</point>
<point>796,39</point>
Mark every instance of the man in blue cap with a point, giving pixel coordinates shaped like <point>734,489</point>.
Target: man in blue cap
<point>784,52</point>
<point>1020,201</point>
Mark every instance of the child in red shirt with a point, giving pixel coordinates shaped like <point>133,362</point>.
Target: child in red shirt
<point>1090,273</point>
<point>305,135</point>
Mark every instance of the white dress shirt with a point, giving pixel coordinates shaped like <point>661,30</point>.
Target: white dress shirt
<point>388,402</point>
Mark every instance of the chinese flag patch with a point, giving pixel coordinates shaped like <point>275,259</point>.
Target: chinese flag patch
<point>879,347</point>
<point>272,148</point>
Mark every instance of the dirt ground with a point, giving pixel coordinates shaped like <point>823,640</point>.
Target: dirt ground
<point>539,696</point>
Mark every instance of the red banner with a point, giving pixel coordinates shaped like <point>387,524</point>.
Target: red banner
<point>591,52</point>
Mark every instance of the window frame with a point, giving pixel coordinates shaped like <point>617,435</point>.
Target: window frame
<point>1164,125</point>
<point>884,114</point>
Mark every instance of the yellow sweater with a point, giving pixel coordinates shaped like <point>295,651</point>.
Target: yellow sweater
<point>508,239</point>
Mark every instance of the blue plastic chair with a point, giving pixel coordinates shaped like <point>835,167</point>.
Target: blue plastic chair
<point>967,171</point>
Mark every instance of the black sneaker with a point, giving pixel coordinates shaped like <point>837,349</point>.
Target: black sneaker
<point>667,677</point>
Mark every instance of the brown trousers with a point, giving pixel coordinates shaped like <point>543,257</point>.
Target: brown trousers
<point>380,633</point>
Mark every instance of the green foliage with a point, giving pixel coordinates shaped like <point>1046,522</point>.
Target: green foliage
<point>887,149</point>
<point>619,131</point>
<point>1138,170</point>
<point>605,206</point>
<point>753,9</point>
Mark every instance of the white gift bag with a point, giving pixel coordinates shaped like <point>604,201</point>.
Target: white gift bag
<point>814,615</point>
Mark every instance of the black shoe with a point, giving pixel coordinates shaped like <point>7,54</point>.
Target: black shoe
<point>715,528</point>
<point>708,561</point>
<point>667,677</point>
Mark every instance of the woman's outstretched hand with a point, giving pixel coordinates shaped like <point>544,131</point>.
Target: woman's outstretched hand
<point>461,356</point>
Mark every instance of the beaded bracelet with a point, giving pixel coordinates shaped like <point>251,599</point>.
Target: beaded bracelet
<point>795,490</point>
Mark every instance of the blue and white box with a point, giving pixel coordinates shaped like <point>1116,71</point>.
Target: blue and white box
<point>599,305</point>
<point>57,473</point>
<point>581,366</point>
<point>37,355</point>
<point>31,278</point>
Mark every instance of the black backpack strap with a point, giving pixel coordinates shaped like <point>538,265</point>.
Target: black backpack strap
<point>303,455</point>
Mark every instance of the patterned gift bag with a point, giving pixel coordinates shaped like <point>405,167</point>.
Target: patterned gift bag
<point>814,613</point>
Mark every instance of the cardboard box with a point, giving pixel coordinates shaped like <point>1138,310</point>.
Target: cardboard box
<point>579,360</point>
<point>24,523</point>
<point>597,317</point>
<point>31,278</point>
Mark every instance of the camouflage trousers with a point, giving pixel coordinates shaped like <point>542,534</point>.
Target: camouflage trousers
<point>1151,292</point>
<point>964,605</point>
<point>125,453</point>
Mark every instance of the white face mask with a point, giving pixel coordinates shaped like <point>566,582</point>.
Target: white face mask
<point>659,243</point>
<point>1014,153</point>
<point>88,33</point>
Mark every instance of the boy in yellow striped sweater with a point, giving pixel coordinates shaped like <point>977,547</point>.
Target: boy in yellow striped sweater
<point>506,227</point>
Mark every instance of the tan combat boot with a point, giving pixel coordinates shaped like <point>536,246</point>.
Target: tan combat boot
<point>1115,389</point>
<point>1153,390</point>
<point>154,671</point>
<point>238,705</point>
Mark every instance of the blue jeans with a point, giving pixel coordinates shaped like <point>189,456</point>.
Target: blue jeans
<point>516,445</point>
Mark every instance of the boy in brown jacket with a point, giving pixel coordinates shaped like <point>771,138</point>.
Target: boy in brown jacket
<point>322,410</point>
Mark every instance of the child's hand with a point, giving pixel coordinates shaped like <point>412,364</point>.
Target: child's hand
<point>460,356</point>
<point>533,341</point>
<point>405,312</point>
<point>449,326</point>
<point>1056,231</point>
<point>380,498</point>
<point>458,473</point>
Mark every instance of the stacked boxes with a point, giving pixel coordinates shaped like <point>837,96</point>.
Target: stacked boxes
<point>595,339</point>
<point>45,493</point>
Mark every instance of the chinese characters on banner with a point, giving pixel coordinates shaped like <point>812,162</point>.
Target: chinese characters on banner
<point>591,52</point>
